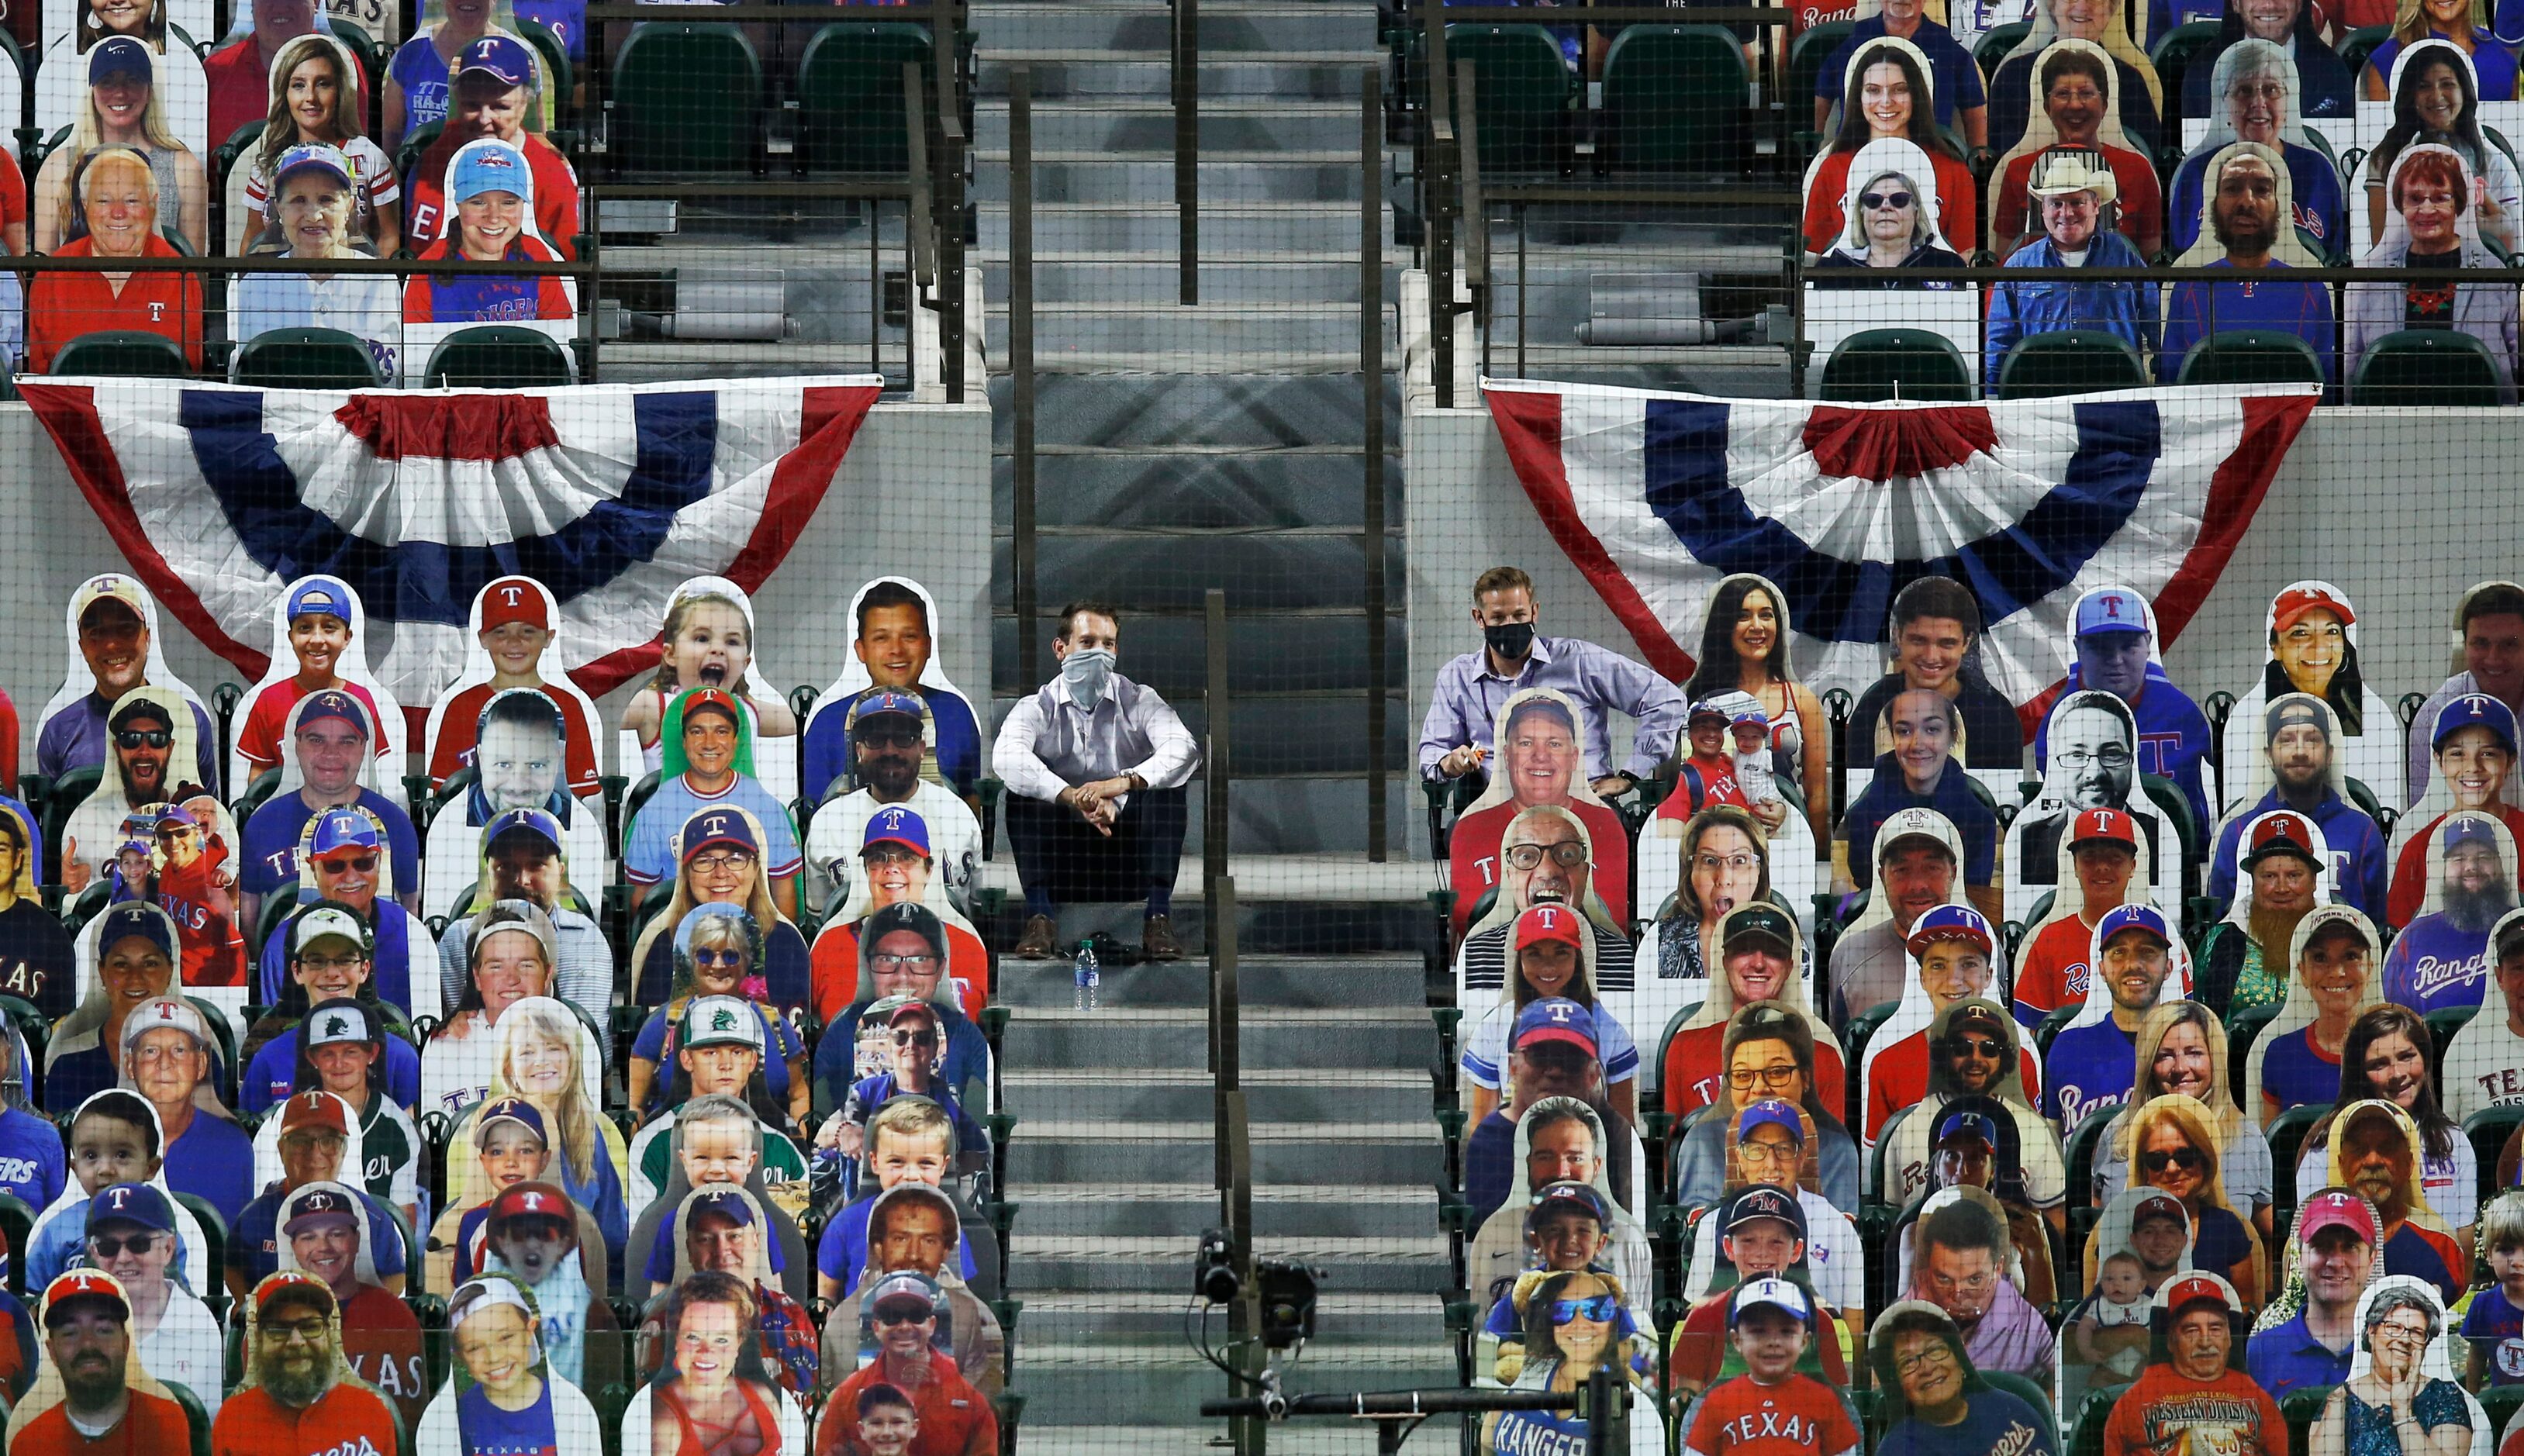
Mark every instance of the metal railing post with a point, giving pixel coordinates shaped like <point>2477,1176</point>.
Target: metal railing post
<point>1371,368</point>
<point>1215,755</point>
<point>1185,63</point>
<point>1021,359</point>
<point>1438,162</point>
<point>947,195</point>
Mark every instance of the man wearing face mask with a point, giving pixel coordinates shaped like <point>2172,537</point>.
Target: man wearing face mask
<point>1094,766</point>
<point>1463,708</point>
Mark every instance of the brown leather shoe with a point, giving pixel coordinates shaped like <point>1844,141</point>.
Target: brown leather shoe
<point>1036,942</point>
<point>1157,940</point>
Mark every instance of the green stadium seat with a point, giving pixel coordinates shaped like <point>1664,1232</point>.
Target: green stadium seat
<point>73,787</point>
<point>2084,1148</point>
<point>686,98</point>
<point>2068,361</point>
<point>2442,1023</point>
<point>196,1415</point>
<point>496,355</point>
<point>2033,1396</point>
<point>2172,52</point>
<point>2243,1029</point>
<point>1521,92</point>
<point>2171,802</point>
<point>1880,365</point>
<point>2086,1438</point>
<point>850,115</point>
<point>2300,1409</point>
<point>414,144</point>
<point>2355,46</point>
<point>2501,1403</point>
<point>1807,55</point>
<point>2250,355</point>
<point>2488,1131</point>
<point>306,359</point>
<point>2286,1136</point>
<point>2052,1026</point>
<point>123,354</point>
<point>556,57</point>
<point>1996,41</point>
<point>2433,368</point>
<point>1675,99</point>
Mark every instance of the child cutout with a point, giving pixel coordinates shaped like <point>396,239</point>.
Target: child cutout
<point>318,625</point>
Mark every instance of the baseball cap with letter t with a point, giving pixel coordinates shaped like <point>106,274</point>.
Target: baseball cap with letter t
<point>2113,608</point>
<point>2475,710</point>
<point>2282,832</point>
<point>1555,1019</point>
<point>513,598</point>
<point>1547,922</point>
<point>2337,1208</point>
<point>84,1284</point>
<point>2104,826</point>
<point>1778,1293</point>
<point>896,825</point>
<point>2120,918</point>
<point>1950,923</point>
<point>132,1203</point>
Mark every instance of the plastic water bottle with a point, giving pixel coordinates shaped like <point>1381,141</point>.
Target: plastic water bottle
<point>1089,977</point>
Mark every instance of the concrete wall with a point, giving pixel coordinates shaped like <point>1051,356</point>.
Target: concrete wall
<point>912,498</point>
<point>2401,508</point>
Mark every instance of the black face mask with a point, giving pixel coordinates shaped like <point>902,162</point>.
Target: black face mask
<point>1511,641</point>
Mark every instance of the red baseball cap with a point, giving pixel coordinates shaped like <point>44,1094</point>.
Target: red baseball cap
<point>2281,832</point>
<point>315,1109</point>
<point>513,598</point>
<point>2305,597</point>
<point>712,698</point>
<point>1546,923</point>
<point>2109,825</point>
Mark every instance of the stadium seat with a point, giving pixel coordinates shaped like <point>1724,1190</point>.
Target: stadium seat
<point>1521,92</point>
<point>2086,1435</point>
<point>2500,1403</point>
<point>2286,1135</point>
<point>306,359</point>
<point>554,56</point>
<point>2033,1396</point>
<point>1996,41</point>
<point>850,97</point>
<point>2355,46</point>
<point>2085,1147</point>
<point>1675,99</point>
<point>2172,52</point>
<point>2250,355</point>
<point>414,145</point>
<point>496,355</point>
<point>73,787</point>
<point>1896,363</point>
<point>123,354</point>
<point>686,98</point>
<point>196,1415</point>
<point>2052,1025</point>
<point>1806,54</point>
<point>2488,1131</point>
<point>2068,361</point>
<point>2302,1408</point>
<point>2434,367</point>
<point>2442,1023</point>
<point>2242,1030</point>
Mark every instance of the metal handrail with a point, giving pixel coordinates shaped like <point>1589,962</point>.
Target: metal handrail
<point>1185,63</point>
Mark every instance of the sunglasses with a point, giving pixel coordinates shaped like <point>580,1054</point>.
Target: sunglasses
<point>903,1314</point>
<point>132,738</point>
<point>1978,1045</point>
<point>915,1038</point>
<point>888,738</point>
<point>1886,200</point>
<point>106,1246</point>
<point>338,863</point>
<point>2187,1159</point>
<point>1593,1307</point>
<point>718,957</point>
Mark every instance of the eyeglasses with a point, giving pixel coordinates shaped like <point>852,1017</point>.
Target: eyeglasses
<point>1935,1354</point>
<point>310,1331</point>
<point>718,957</point>
<point>132,738</point>
<point>887,738</point>
<point>1593,1307</point>
<point>2113,757</point>
<point>2402,1329</point>
<point>332,962</point>
<point>1978,1045</point>
<point>711,864</point>
<point>915,1038</point>
<point>106,1246</point>
<point>2188,1159</point>
<point>1874,200</point>
<point>1727,863</point>
<point>1777,1152</point>
<point>1568,854</point>
<point>886,960</point>
<point>348,863</point>
<point>1774,1078</point>
<point>903,1314</point>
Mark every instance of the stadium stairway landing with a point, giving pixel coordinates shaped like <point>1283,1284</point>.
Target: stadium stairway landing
<point>1181,448</point>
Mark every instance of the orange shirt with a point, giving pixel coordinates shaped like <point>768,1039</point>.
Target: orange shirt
<point>462,721</point>
<point>153,1426</point>
<point>834,963</point>
<point>344,1420</point>
<point>65,306</point>
<point>955,1419</point>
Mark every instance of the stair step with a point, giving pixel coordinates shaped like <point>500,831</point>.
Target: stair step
<point>1281,1213</point>
<point>1151,409</point>
<point>1261,574</point>
<point>1264,982</point>
<point>1223,331</point>
<point>1387,1263</point>
<point>1053,1037</point>
<point>1098,175</point>
<point>1152,228</point>
<point>1124,125</point>
<point>1341,1319</point>
<point>1331,278</point>
<point>1323,1437</point>
<point>1232,489</point>
<point>1323,76</point>
<point>1088,1381</point>
<point>1226,29</point>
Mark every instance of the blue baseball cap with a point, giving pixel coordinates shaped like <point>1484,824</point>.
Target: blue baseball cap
<point>2471,829</point>
<point>509,1109</point>
<point>1775,1113</point>
<point>717,826</point>
<point>342,829</point>
<point>132,1203</point>
<point>1706,707</point>
<point>1778,1294</point>
<point>327,598</point>
<point>316,157</point>
<point>885,701</point>
<point>2112,609</point>
<point>896,825</point>
<point>333,702</point>
<point>2474,710</point>
<point>120,53</point>
<point>498,56</point>
<point>136,918</point>
<point>727,1201</point>
<point>1762,1201</point>
<point>1569,1194</point>
<point>1555,1019</point>
<point>1952,923</point>
<point>492,166</point>
<point>538,822</point>
<point>2132,917</point>
<point>320,1205</point>
<point>1969,1124</point>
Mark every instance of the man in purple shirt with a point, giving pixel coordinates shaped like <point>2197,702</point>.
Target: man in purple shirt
<point>114,616</point>
<point>2296,737</point>
<point>2442,959</point>
<point>1463,708</point>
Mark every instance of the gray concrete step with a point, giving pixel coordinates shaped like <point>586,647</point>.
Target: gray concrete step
<point>1219,331</point>
<point>1397,1263</point>
<point>1263,571</point>
<point>1308,982</point>
<point>1397,1038</point>
<point>1182,1210</point>
<point>1322,76</point>
<point>1143,1095</point>
<point>1278,278</point>
<point>1231,230</point>
<point>1261,26</point>
<point>1313,1437</point>
<point>1089,1381</point>
<point>1197,489</point>
<point>1097,175</point>
<point>1249,124</point>
<point>1160,411</point>
<point>1349,1152</point>
<point>1153,1317</point>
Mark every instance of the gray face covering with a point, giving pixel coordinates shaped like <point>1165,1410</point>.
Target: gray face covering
<point>1084,671</point>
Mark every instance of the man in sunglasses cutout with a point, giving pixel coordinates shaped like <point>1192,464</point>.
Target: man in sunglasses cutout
<point>138,771</point>
<point>888,744</point>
